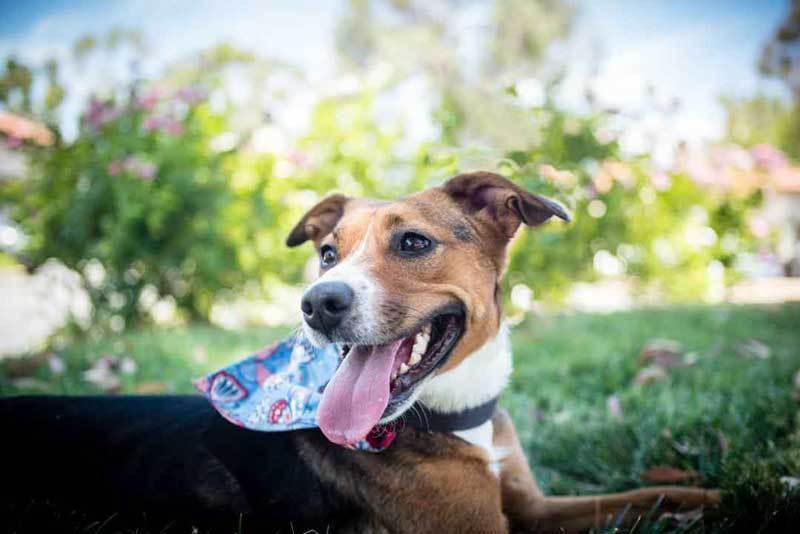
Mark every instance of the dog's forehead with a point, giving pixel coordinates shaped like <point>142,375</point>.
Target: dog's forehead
<point>430,209</point>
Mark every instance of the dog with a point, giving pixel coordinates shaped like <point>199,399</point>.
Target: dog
<point>409,291</point>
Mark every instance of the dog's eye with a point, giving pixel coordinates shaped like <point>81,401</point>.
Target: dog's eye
<point>327,256</point>
<point>412,243</point>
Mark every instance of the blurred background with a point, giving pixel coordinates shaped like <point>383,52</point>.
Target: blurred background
<point>154,156</point>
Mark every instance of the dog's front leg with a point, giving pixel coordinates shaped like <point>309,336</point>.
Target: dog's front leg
<point>522,499</point>
<point>529,510</point>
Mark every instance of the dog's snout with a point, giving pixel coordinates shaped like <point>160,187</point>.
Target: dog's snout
<point>325,305</point>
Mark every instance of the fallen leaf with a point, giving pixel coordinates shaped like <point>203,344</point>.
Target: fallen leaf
<point>665,353</point>
<point>753,348</point>
<point>23,366</point>
<point>665,474</point>
<point>651,373</point>
<point>151,388</point>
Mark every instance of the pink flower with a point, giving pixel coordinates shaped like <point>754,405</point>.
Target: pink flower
<point>147,171</point>
<point>556,176</point>
<point>149,100</point>
<point>768,157</point>
<point>140,167</point>
<point>661,181</point>
<point>300,159</point>
<point>13,143</point>
<point>166,124</point>
<point>191,95</point>
<point>152,124</point>
<point>99,114</point>
<point>114,167</point>
<point>172,126</point>
<point>759,227</point>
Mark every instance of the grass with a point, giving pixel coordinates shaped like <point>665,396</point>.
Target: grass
<point>729,415</point>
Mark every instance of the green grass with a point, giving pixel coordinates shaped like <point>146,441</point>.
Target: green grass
<point>727,416</point>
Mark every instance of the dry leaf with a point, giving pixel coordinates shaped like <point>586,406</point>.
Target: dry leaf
<point>665,474</point>
<point>151,388</point>
<point>23,366</point>
<point>651,373</point>
<point>665,353</point>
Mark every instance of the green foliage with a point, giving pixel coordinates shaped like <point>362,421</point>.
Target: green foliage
<point>762,119</point>
<point>142,196</point>
<point>660,230</point>
<point>139,200</point>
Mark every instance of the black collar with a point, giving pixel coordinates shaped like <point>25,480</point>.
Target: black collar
<point>423,418</point>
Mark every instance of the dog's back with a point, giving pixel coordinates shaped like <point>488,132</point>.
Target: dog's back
<point>170,458</point>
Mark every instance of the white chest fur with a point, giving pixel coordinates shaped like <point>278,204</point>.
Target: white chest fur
<point>480,377</point>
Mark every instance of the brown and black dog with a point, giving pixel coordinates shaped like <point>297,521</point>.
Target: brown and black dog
<point>398,281</point>
<point>410,292</point>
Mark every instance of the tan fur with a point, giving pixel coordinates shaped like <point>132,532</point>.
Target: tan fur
<point>438,483</point>
<point>423,483</point>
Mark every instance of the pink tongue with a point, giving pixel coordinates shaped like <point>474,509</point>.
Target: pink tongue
<point>357,395</point>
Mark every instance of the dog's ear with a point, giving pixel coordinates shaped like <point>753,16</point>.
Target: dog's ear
<point>318,221</point>
<point>501,202</point>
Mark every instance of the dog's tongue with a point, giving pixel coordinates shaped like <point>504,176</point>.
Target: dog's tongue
<point>357,395</point>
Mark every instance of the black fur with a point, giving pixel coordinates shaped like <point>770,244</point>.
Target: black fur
<point>172,462</point>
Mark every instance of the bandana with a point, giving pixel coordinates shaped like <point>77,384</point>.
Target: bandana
<point>279,389</point>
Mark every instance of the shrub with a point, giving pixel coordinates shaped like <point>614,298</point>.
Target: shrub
<point>137,203</point>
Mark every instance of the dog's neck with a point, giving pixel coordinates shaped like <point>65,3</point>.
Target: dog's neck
<point>480,377</point>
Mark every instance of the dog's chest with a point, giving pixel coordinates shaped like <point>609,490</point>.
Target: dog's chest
<point>481,436</point>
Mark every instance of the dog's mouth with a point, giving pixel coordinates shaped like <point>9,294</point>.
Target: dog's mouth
<point>376,381</point>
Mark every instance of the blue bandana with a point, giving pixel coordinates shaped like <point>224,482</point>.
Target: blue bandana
<point>279,389</point>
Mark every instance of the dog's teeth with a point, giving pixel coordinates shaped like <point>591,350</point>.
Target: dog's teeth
<point>403,368</point>
<point>420,344</point>
<point>415,358</point>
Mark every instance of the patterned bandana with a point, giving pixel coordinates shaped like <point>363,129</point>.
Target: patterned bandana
<point>279,389</point>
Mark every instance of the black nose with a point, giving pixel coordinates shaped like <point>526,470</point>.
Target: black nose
<point>325,305</point>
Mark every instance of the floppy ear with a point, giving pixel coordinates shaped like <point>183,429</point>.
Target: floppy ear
<point>501,202</point>
<point>319,221</point>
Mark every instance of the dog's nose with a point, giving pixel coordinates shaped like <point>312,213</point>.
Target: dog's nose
<point>325,305</point>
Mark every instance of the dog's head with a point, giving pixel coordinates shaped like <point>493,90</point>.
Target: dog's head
<point>407,289</point>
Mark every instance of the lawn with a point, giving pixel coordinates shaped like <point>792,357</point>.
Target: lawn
<point>719,409</point>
